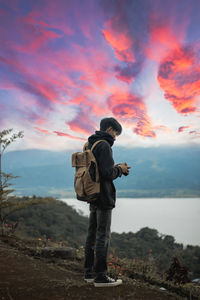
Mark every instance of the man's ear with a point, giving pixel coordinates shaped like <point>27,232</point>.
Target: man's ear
<point>108,129</point>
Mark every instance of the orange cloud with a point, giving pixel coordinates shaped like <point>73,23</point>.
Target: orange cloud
<point>121,42</point>
<point>127,41</point>
<point>143,128</point>
<point>179,78</point>
<point>167,29</point>
<point>162,39</point>
<point>131,109</point>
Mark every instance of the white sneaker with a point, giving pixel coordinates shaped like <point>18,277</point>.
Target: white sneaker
<point>89,280</point>
<point>106,282</point>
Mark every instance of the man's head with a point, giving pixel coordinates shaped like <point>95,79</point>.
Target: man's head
<point>111,126</point>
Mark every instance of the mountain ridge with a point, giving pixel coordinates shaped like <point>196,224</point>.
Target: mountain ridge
<point>161,172</point>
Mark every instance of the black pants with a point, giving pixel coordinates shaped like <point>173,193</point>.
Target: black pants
<point>97,242</point>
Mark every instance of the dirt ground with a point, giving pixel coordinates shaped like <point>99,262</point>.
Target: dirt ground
<point>24,276</point>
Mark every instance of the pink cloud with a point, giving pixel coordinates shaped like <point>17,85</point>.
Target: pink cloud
<point>179,78</point>
<point>182,128</point>
<point>37,18</point>
<point>163,128</point>
<point>194,134</point>
<point>82,123</point>
<point>69,136</point>
<point>41,121</point>
<point>71,54</point>
<point>42,130</point>
<point>125,38</point>
<point>143,128</point>
<point>162,39</point>
<point>119,40</point>
<point>131,109</point>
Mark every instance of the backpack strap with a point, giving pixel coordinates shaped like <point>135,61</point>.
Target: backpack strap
<point>94,145</point>
<point>85,147</point>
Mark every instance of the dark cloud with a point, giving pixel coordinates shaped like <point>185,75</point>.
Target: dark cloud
<point>126,30</point>
<point>82,123</point>
<point>128,71</point>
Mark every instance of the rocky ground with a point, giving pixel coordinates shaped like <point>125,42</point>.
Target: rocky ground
<point>26,275</point>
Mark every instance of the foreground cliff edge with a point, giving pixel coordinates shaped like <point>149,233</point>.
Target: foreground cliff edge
<point>26,273</point>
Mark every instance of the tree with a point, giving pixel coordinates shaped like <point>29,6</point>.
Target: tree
<point>177,273</point>
<point>5,141</point>
<point>8,203</point>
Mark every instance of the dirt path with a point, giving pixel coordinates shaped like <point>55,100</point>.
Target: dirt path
<point>24,277</point>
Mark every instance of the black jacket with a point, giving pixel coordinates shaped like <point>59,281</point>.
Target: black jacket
<point>107,170</point>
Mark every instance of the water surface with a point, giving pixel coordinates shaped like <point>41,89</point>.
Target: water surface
<point>179,217</point>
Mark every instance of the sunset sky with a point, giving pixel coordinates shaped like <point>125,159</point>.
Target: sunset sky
<point>66,64</point>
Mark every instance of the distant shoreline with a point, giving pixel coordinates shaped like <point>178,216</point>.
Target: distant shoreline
<point>69,193</point>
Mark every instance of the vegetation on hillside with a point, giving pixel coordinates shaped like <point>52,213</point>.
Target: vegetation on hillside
<point>59,222</point>
<point>9,203</point>
<point>56,221</point>
<point>148,242</point>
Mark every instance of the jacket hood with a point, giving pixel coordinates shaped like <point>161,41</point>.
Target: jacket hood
<point>101,135</point>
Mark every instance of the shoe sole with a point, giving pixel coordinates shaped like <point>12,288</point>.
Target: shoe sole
<point>104,284</point>
<point>89,280</point>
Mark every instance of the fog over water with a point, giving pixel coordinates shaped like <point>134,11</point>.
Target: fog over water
<point>179,217</point>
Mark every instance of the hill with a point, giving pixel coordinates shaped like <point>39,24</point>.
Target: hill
<point>26,274</point>
<point>156,172</point>
<point>56,221</point>
<point>60,222</point>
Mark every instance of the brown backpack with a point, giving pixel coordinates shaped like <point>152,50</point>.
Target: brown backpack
<point>86,179</point>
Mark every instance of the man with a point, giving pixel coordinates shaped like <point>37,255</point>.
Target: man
<point>98,237</point>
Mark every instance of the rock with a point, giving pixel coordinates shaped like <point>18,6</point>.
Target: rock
<point>64,252</point>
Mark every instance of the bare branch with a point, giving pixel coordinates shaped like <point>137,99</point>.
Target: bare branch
<point>5,140</point>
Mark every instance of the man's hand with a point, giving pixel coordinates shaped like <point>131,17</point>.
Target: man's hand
<point>125,168</point>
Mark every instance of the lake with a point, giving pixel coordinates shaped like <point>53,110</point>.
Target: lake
<point>179,217</point>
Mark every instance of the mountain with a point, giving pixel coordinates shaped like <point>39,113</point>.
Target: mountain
<point>155,172</point>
